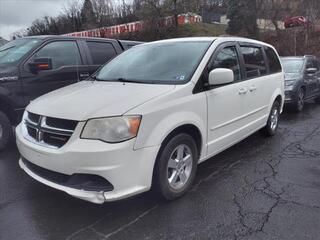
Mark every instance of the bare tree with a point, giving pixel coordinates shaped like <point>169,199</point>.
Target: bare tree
<point>88,18</point>
<point>104,11</point>
<point>19,34</point>
<point>72,16</point>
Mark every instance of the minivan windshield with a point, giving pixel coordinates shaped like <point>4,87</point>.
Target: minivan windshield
<point>13,51</point>
<point>292,65</point>
<point>166,62</point>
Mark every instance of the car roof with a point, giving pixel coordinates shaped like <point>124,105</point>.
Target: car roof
<point>292,57</point>
<point>298,57</point>
<point>186,39</point>
<point>212,39</point>
<point>48,37</point>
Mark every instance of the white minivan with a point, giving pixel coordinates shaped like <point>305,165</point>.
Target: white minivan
<point>150,116</point>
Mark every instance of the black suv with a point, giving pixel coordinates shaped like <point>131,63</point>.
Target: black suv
<point>33,66</point>
<point>302,80</point>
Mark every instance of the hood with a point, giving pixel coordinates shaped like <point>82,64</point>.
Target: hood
<point>292,76</point>
<point>87,99</point>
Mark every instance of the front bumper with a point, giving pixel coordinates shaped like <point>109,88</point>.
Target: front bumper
<point>129,171</point>
<point>290,96</point>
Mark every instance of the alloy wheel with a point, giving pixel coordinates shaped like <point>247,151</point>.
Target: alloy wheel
<point>300,100</point>
<point>1,131</point>
<point>274,119</point>
<point>179,167</point>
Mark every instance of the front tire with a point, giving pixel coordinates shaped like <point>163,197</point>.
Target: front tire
<point>176,167</point>
<point>273,120</point>
<point>317,100</point>
<point>6,134</point>
<point>298,105</point>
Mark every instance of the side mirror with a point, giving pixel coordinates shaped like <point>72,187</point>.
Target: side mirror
<point>40,64</point>
<point>220,76</point>
<point>311,71</point>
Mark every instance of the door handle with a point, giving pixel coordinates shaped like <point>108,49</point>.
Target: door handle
<point>253,88</point>
<point>243,91</point>
<point>84,75</point>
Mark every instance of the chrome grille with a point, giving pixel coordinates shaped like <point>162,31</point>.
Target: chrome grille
<point>48,131</point>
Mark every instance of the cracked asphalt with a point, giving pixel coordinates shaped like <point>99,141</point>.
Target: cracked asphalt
<point>262,188</point>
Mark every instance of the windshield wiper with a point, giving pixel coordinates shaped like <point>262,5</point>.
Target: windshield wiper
<point>124,80</point>
<point>95,78</point>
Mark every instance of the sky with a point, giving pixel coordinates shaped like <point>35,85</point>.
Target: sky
<point>19,14</point>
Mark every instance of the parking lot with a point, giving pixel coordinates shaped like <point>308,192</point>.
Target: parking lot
<point>259,189</point>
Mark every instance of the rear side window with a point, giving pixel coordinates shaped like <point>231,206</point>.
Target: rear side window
<point>273,60</point>
<point>101,52</point>
<point>62,53</point>
<point>255,65</point>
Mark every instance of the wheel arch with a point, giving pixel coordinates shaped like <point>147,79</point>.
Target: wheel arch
<point>279,99</point>
<point>189,129</point>
<point>278,95</point>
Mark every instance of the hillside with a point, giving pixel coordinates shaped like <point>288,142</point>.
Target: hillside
<point>201,29</point>
<point>188,30</point>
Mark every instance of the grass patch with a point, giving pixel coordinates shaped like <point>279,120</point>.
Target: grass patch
<point>201,30</point>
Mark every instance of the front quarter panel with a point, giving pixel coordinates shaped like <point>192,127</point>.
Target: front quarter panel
<point>163,115</point>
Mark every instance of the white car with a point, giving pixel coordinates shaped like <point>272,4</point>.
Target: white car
<point>150,116</point>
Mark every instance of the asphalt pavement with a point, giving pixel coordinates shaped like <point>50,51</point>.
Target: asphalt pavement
<point>262,188</point>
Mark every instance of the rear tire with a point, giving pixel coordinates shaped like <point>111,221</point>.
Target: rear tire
<point>273,121</point>
<point>176,167</point>
<point>6,133</point>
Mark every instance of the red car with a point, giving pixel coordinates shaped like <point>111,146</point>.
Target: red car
<point>296,22</point>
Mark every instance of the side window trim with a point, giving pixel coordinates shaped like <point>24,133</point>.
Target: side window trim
<point>266,61</point>
<point>87,52</point>
<point>84,55</point>
<point>242,63</point>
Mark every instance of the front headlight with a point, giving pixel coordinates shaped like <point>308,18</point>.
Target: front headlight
<point>288,83</point>
<point>112,130</point>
